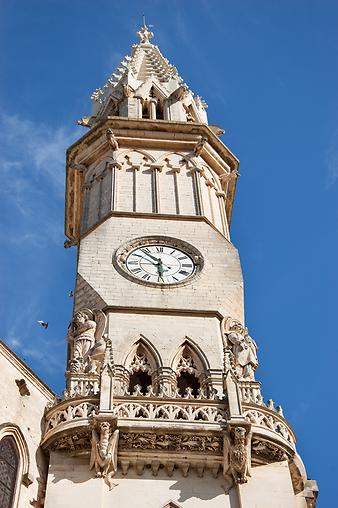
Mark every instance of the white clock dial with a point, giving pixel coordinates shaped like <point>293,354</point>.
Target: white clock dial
<point>161,264</point>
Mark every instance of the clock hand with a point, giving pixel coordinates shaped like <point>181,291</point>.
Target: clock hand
<point>160,270</point>
<point>151,256</point>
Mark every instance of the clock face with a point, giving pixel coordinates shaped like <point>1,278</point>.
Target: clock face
<point>161,264</point>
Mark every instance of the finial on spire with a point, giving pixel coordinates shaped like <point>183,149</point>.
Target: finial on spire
<point>144,33</point>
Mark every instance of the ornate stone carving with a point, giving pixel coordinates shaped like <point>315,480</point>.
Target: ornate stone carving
<point>172,442</point>
<point>267,452</point>
<point>104,452</point>
<point>186,364</point>
<point>112,141</point>
<point>236,456</point>
<point>69,413</point>
<point>127,91</point>
<point>200,145</point>
<point>243,348</point>
<point>140,362</point>
<point>78,441</point>
<point>173,412</point>
<point>144,34</point>
<point>86,339</point>
<point>273,422</point>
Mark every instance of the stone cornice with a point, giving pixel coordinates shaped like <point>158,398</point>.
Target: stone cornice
<point>155,129</point>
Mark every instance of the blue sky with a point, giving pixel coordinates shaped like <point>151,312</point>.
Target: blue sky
<point>268,71</point>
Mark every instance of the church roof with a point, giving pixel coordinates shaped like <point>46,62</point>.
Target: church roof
<point>146,61</point>
<point>143,72</point>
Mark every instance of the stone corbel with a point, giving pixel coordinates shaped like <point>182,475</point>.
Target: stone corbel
<point>232,175</point>
<point>111,140</point>
<point>72,164</point>
<point>104,447</point>
<point>237,452</point>
<point>156,167</point>
<point>200,146</point>
<point>221,194</point>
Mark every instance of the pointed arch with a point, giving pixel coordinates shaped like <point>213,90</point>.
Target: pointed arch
<point>190,364</point>
<point>135,182</point>
<point>142,341</point>
<point>188,345</point>
<point>183,156</point>
<point>142,361</point>
<point>124,153</point>
<point>15,461</point>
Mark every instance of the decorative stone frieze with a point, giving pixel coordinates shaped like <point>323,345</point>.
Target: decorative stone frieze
<point>171,442</point>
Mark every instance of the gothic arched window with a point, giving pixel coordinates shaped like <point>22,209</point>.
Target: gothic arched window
<point>189,369</point>
<point>141,363</point>
<point>9,462</point>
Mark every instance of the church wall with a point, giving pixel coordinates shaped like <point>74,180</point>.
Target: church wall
<point>23,412</point>
<point>218,288</point>
<point>72,484</point>
<point>166,333</point>
<point>269,486</point>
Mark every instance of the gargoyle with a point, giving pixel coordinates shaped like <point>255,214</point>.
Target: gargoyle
<point>104,453</point>
<point>236,461</point>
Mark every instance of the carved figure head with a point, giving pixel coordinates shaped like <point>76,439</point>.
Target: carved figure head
<point>239,434</point>
<point>79,318</point>
<point>104,426</point>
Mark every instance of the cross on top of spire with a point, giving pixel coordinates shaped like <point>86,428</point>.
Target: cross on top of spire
<point>144,33</point>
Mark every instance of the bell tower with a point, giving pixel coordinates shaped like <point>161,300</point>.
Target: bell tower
<point>161,406</point>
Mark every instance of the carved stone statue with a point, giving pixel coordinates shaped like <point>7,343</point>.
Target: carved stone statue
<point>200,145</point>
<point>243,347</point>
<point>112,140</point>
<point>104,452</point>
<point>236,456</point>
<point>85,336</point>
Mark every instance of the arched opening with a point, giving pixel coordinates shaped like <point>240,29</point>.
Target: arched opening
<point>141,379</point>
<point>186,380</point>
<point>189,368</point>
<point>145,109</point>
<point>9,463</point>
<point>159,110</point>
<point>142,362</point>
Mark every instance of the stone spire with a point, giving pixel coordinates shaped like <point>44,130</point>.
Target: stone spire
<point>146,85</point>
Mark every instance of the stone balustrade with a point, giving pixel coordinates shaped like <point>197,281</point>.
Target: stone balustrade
<point>74,414</point>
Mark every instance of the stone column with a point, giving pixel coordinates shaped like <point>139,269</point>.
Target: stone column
<point>165,381</point>
<point>121,380</point>
<point>157,168</point>
<point>152,108</point>
<point>221,203</point>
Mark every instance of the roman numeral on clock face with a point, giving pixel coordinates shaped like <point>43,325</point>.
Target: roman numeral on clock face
<point>183,272</point>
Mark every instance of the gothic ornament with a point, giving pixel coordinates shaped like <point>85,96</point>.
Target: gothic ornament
<point>243,348</point>
<point>112,141</point>
<point>144,34</point>
<point>104,452</point>
<point>236,456</point>
<point>200,145</point>
<point>171,442</point>
<point>86,339</point>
